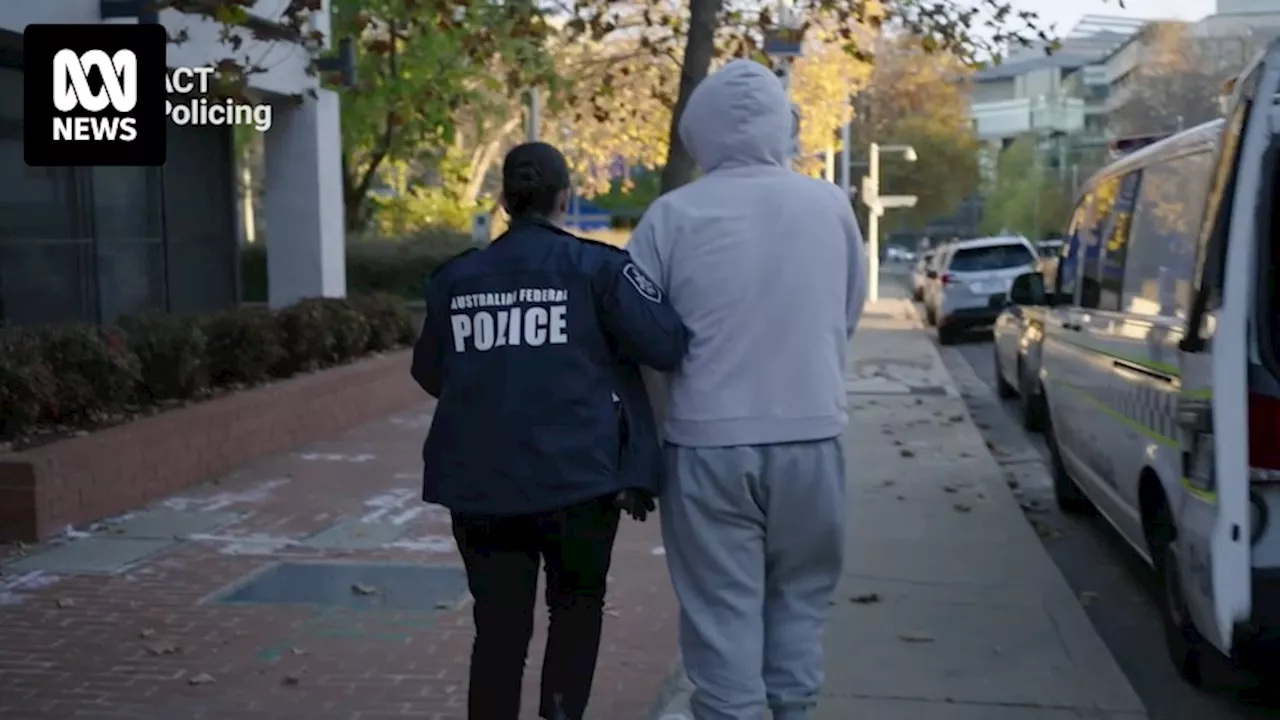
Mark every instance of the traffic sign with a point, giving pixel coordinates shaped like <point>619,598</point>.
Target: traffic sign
<point>897,201</point>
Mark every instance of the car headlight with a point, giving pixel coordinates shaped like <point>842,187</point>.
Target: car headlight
<point>1258,518</point>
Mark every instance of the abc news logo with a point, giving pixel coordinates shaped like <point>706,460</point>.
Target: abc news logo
<point>72,91</point>
<point>95,95</point>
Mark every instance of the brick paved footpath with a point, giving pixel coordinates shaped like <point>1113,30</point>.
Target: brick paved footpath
<point>146,639</point>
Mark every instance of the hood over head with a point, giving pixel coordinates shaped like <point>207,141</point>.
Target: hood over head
<point>738,116</point>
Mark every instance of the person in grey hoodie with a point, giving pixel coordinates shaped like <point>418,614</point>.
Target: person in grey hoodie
<point>767,269</point>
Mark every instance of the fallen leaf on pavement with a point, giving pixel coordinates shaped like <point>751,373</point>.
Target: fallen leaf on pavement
<point>164,647</point>
<point>1032,506</point>
<point>916,637</point>
<point>906,453</point>
<point>201,679</point>
<point>865,599</point>
<point>1011,482</point>
<point>956,418</point>
<point>950,488</point>
<point>887,483</point>
<point>902,497</point>
<point>443,605</point>
<point>361,589</point>
<point>966,454</point>
<point>66,603</point>
<point>293,679</point>
<point>897,443</point>
<point>146,633</point>
<point>961,507</point>
<point>1087,597</point>
<point>298,651</point>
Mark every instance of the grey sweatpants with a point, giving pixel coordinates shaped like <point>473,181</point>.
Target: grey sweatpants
<point>754,539</point>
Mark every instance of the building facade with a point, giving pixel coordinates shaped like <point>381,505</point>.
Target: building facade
<point>90,244</point>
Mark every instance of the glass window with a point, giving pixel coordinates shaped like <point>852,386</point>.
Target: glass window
<point>1097,223</point>
<point>1115,247</point>
<point>994,257</point>
<point>1069,264</point>
<point>1162,263</point>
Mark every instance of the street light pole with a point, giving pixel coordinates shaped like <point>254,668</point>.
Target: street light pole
<point>873,225</point>
<point>875,208</point>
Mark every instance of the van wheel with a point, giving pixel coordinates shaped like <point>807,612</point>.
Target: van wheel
<point>1034,410</point>
<point>1004,390</point>
<point>1071,499</point>
<point>1187,646</point>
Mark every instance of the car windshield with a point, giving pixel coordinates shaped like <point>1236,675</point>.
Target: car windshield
<point>993,257</point>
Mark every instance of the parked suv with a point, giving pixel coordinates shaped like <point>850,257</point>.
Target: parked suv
<point>971,281</point>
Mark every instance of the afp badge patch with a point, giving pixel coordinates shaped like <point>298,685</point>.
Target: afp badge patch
<point>643,285</point>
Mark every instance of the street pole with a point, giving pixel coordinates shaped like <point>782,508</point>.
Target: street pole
<point>873,226</point>
<point>846,159</point>
<point>533,127</point>
<point>829,169</point>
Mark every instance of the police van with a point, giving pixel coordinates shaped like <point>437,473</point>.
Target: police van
<point>1160,369</point>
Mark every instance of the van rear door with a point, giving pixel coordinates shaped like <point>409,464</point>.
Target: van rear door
<point>1214,541</point>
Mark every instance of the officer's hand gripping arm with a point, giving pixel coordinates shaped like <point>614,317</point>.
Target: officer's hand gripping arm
<point>636,312</point>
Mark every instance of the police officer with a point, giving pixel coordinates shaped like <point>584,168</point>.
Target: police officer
<point>543,431</point>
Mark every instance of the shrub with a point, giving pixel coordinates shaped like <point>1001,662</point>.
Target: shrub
<point>390,324</point>
<point>171,354</point>
<point>348,326</point>
<point>243,346</point>
<point>28,387</point>
<point>96,373</point>
<point>397,266</point>
<point>304,337</point>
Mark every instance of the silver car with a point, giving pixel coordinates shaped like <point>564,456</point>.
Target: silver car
<point>970,281</point>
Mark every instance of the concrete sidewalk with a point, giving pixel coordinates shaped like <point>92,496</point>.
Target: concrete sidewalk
<point>949,608</point>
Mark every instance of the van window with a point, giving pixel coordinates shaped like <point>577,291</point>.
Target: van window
<point>1097,224</point>
<point>1064,285</point>
<point>1115,245</point>
<point>994,257</point>
<point>1160,274</point>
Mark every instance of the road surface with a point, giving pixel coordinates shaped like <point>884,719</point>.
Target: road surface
<point>1118,590</point>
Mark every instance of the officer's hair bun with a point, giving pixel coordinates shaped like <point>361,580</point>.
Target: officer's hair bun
<point>533,174</point>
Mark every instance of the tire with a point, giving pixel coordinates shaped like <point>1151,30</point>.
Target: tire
<point>1034,410</point>
<point>1186,645</point>
<point>1004,390</point>
<point>1071,499</point>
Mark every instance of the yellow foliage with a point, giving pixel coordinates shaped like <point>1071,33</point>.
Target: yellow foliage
<point>821,84</point>
<point>617,105</point>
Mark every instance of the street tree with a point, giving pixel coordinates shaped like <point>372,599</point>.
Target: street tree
<point>610,112</point>
<point>1178,79</point>
<point>420,65</point>
<point>920,98</point>
<point>1024,199</point>
<point>704,30</point>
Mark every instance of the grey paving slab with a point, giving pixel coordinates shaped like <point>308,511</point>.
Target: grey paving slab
<point>881,709</point>
<point>90,555</point>
<point>965,652</point>
<point>356,535</point>
<point>168,524</point>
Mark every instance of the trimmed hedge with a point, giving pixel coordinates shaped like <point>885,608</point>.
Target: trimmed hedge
<point>397,267</point>
<point>55,380</point>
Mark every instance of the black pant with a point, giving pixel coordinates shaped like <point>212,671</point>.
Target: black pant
<point>502,556</point>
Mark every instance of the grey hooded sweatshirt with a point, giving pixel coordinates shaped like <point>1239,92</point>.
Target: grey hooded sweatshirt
<point>765,266</point>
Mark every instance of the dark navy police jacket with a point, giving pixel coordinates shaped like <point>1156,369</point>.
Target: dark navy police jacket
<point>533,346</point>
